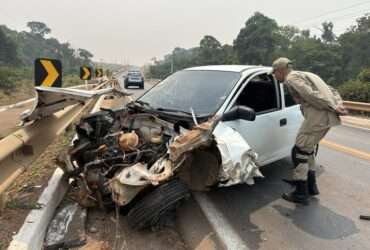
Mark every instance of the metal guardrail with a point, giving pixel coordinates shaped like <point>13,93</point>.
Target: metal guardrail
<point>357,106</point>
<point>21,103</point>
<point>19,149</point>
<point>31,235</point>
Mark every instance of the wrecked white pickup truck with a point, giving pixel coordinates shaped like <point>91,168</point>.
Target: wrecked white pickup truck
<point>198,129</point>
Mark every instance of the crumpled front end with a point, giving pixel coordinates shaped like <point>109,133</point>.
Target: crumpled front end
<point>120,154</point>
<point>238,159</point>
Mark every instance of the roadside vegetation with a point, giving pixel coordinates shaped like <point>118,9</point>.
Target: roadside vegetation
<point>343,61</point>
<point>18,50</point>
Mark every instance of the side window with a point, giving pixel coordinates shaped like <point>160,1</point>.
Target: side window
<point>261,94</point>
<point>289,100</point>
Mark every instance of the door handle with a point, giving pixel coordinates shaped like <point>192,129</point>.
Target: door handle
<point>283,122</point>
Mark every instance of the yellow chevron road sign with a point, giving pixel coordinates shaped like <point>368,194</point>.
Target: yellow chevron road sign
<point>85,73</point>
<point>99,72</point>
<point>48,72</point>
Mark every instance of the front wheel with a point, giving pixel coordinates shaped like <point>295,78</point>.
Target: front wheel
<point>155,205</point>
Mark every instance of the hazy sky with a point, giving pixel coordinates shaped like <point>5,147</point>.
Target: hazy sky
<point>134,31</point>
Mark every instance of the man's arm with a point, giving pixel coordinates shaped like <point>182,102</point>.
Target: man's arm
<point>337,97</point>
<point>340,109</point>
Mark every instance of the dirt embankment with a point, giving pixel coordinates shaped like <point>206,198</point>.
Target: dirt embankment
<point>24,193</point>
<point>16,95</point>
<point>24,90</point>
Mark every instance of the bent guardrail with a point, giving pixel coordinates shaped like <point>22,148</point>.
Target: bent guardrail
<point>19,149</point>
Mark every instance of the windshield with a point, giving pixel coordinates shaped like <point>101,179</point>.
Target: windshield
<point>203,91</point>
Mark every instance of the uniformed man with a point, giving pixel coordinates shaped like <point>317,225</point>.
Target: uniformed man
<point>321,107</point>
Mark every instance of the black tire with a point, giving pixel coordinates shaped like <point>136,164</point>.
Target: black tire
<point>142,85</point>
<point>162,200</point>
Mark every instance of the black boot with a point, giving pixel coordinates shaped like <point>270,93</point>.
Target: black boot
<point>293,183</point>
<point>312,186</point>
<point>299,195</point>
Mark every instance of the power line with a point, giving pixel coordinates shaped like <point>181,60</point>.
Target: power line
<point>350,15</point>
<point>343,18</point>
<point>331,12</point>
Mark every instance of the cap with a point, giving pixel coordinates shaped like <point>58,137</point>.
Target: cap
<point>281,62</point>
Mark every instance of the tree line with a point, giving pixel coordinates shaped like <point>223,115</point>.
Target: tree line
<point>18,50</point>
<point>343,61</point>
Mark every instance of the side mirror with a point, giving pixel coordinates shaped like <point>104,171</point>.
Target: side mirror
<point>239,112</point>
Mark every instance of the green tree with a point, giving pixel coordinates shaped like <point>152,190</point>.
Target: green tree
<point>38,28</point>
<point>85,55</point>
<point>230,56</point>
<point>328,35</point>
<point>305,33</point>
<point>335,59</point>
<point>210,51</point>
<point>8,50</point>
<point>310,54</point>
<point>6,79</point>
<point>183,58</point>
<point>364,76</point>
<point>358,89</point>
<point>286,35</point>
<point>256,42</point>
<point>363,24</point>
<point>355,48</point>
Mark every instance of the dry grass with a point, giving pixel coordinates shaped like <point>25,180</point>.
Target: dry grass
<point>24,90</point>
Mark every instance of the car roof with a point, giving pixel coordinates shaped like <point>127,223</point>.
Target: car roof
<point>231,68</point>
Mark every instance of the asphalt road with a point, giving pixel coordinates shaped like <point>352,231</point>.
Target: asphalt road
<point>10,119</point>
<point>351,137</point>
<point>264,221</point>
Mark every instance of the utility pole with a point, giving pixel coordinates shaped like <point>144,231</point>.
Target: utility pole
<point>172,62</point>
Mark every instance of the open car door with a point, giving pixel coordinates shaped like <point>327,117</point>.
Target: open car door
<point>266,134</point>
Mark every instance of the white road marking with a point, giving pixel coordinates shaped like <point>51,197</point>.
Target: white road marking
<point>353,126</point>
<point>5,108</point>
<point>225,232</point>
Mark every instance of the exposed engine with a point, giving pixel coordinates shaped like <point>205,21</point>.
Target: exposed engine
<point>119,153</point>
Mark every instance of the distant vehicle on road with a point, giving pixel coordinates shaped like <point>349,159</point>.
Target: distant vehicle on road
<point>134,78</point>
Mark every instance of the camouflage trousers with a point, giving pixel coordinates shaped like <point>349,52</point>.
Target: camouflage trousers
<point>304,152</point>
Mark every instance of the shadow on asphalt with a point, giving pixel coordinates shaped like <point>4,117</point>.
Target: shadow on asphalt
<point>319,221</point>
<point>238,203</point>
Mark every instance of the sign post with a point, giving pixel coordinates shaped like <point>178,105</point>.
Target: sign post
<point>85,74</point>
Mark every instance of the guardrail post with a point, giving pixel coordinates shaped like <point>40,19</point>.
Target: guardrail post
<point>3,199</point>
